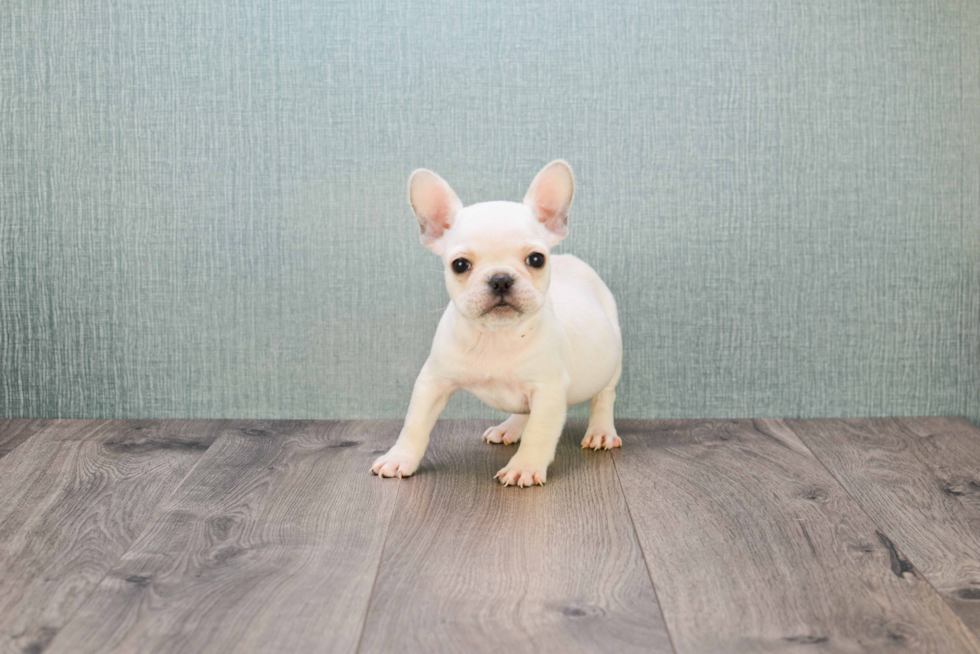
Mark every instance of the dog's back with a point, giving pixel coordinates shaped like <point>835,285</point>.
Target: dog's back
<point>586,309</point>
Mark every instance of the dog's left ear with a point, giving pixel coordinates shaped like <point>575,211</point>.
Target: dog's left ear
<point>550,198</point>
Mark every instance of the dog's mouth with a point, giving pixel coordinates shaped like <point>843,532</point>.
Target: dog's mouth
<point>501,307</point>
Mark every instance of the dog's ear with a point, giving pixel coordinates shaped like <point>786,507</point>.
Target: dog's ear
<point>435,205</point>
<point>550,198</point>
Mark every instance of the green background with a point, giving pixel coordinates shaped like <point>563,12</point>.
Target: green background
<point>203,211</point>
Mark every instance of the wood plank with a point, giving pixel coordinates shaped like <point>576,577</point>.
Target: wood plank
<point>471,566</point>
<point>270,544</point>
<point>15,431</point>
<point>919,478</point>
<point>75,495</point>
<point>753,546</point>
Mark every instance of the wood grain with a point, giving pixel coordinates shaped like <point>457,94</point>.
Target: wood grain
<point>75,495</point>
<point>471,566</point>
<point>919,478</point>
<point>271,544</point>
<point>755,547</point>
<point>14,432</point>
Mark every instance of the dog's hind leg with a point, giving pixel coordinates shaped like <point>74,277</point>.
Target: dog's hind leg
<point>601,433</point>
<point>507,432</point>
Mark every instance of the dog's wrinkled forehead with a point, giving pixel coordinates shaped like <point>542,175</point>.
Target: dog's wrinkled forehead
<point>496,227</point>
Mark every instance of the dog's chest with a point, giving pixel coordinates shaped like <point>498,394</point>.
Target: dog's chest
<point>499,388</point>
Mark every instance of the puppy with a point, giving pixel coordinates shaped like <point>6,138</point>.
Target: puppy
<point>526,332</point>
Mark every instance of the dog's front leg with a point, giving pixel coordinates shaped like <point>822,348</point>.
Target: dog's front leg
<point>429,399</point>
<point>529,465</point>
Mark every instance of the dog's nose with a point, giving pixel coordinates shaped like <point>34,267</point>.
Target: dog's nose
<point>500,284</point>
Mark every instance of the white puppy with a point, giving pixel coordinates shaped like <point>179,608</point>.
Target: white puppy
<point>526,332</point>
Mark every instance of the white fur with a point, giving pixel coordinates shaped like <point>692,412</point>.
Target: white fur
<point>557,343</point>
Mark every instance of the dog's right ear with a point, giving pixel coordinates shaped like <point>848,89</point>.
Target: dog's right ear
<point>435,206</point>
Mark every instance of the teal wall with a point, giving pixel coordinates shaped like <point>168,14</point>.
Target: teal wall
<point>203,213</point>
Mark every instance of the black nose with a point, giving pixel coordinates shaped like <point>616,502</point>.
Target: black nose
<point>500,284</point>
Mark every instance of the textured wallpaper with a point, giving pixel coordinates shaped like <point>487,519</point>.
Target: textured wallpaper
<point>203,211</point>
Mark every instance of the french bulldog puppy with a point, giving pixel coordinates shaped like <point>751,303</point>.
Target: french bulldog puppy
<point>526,332</point>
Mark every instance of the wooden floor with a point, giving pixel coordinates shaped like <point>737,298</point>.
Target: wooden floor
<point>695,537</point>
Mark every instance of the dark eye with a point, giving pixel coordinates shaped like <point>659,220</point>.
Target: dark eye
<point>535,260</point>
<point>460,266</point>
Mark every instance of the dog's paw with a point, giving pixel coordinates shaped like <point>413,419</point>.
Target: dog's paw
<point>522,475</point>
<point>506,433</point>
<point>395,463</point>
<point>598,438</point>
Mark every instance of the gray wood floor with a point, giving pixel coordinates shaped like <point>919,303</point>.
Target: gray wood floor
<point>696,536</point>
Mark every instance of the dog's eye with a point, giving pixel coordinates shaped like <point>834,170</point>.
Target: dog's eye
<point>460,266</point>
<point>535,260</point>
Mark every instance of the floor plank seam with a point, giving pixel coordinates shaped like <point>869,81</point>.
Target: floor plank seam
<point>881,530</point>
<point>646,563</point>
<point>5,422</point>
<point>5,452</point>
<point>377,569</point>
<point>135,539</point>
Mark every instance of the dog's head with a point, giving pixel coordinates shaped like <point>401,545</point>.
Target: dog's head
<point>496,254</point>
